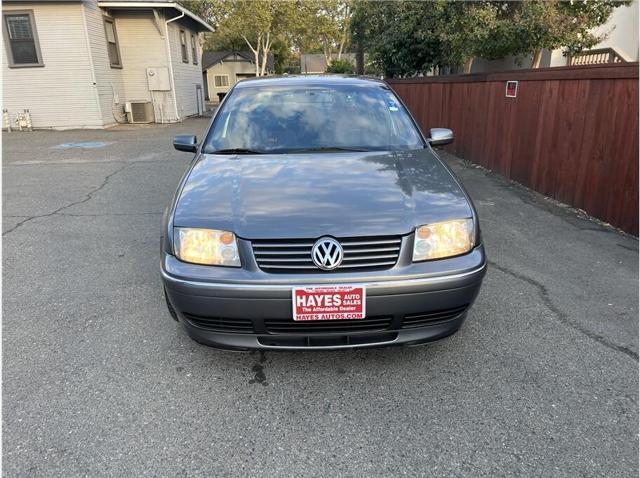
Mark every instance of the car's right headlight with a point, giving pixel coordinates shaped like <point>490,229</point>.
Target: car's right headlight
<point>443,239</point>
<point>206,246</point>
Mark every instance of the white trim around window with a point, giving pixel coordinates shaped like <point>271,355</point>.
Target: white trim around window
<point>113,47</point>
<point>194,49</point>
<point>182,35</point>
<point>220,81</point>
<point>21,39</point>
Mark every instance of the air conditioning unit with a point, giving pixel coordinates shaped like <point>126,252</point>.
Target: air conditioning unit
<point>139,111</point>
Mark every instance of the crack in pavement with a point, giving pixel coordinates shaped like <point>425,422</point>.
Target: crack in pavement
<point>87,197</point>
<point>563,317</point>
<point>634,249</point>
<point>106,214</point>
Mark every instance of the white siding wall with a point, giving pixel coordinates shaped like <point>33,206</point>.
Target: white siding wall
<point>109,81</point>
<point>185,75</point>
<point>76,87</point>
<point>61,94</point>
<point>142,47</point>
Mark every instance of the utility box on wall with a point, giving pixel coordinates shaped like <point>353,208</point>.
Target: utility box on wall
<point>158,79</point>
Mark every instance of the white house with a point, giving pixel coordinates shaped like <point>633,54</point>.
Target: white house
<point>94,63</point>
<point>223,69</point>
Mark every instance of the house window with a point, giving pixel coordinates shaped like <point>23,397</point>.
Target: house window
<point>220,81</point>
<point>21,39</point>
<point>194,50</point>
<point>183,46</point>
<point>112,43</point>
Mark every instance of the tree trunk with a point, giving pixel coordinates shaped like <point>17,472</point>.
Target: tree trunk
<point>327,53</point>
<point>345,31</point>
<point>266,46</point>
<point>341,44</point>
<point>256,51</point>
<point>467,65</point>
<point>359,34</point>
<point>359,57</point>
<point>537,58</point>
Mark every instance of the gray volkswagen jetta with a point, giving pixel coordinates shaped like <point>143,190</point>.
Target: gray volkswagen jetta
<point>315,215</point>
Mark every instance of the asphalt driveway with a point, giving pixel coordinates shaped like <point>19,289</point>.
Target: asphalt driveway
<point>98,381</point>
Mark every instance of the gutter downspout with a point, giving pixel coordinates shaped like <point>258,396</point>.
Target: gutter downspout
<point>173,83</point>
<point>94,81</point>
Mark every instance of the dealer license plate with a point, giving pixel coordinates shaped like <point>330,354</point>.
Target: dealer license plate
<point>343,302</point>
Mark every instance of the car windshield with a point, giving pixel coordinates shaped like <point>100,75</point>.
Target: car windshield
<point>289,119</point>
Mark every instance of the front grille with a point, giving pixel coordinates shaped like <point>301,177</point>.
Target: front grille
<point>431,318</point>
<point>328,340</point>
<point>221,324</point>
<point>288,326</point>
<point>319,327</point>
<point>294,255</point>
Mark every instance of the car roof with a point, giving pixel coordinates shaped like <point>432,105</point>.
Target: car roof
<point>302,80</point>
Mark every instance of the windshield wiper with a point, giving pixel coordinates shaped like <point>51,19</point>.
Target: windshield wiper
<point>236,151</point>
<point>327,149</point>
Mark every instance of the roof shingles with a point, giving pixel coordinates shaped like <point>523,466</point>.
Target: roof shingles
<point>210,58</point>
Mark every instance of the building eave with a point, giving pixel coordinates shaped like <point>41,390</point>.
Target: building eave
<point>174,5</point>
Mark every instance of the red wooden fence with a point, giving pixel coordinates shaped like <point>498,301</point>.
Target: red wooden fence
<point>571,133</point>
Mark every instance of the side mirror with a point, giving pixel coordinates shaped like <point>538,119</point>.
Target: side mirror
<point>186,142</point>
<point>440,136</point>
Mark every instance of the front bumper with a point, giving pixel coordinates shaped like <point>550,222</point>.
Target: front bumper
<point>239,309</point>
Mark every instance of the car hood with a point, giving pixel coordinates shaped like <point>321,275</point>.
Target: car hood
<point>311,195</point>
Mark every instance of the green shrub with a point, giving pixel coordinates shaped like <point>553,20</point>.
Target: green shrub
<point>340,66</point>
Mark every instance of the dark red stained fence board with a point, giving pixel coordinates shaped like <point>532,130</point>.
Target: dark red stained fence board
<point>571,133</point>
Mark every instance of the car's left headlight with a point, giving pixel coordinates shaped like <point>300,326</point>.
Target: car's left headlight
<point>443,239</point>
<point>206,246</point>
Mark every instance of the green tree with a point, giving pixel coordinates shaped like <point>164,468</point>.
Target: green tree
<point>467,30</point>
<point>284,27</point>
<point>402,38</point>
<point>559,24</point>
<point>409,37</point>
<point>217,42</point>
<point>258,24</point>
<point>214,11</point>
<point>282,56</point>
<point>206,9</point>
<point>329,27</point>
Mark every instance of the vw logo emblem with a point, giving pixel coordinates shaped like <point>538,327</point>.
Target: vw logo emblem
<point>327,253</point>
